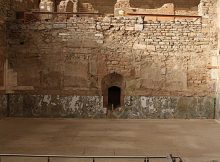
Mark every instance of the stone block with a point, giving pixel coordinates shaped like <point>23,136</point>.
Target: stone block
<point>64,34</point>
<point>151,47</point>
<point>139,46</point>
<point>100,41</point>
<point>59,25</point>
<point>114,62</point>
<point>163,71</point>
<point>139,27</point>
<point>99,35</point>
<point>12,78</point>
<point>89,43</point>
<point>214,73</point>
<point>93,67</point>
<point>140,20</point>
<point>129,28</point>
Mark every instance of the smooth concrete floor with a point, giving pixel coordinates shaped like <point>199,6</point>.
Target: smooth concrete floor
<point>193,140</point>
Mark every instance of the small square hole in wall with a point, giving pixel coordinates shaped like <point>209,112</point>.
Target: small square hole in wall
<point>20,15</point>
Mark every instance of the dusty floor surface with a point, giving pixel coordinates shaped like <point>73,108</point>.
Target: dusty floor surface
<point>194,140</point>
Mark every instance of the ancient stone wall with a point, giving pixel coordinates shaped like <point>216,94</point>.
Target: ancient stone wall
<point>208,10</point>
<point>8,8</point>
<point>218,81</point>
<point>4,8</point>
<point>180,4</point>
<point>154,57</point>
<point>24,5</point>
<point>102,6</point>
<point>3,14</point>
<point>2,52</point>
<point>107,6</point>
<point>124,6</point>
<point>3,44</point>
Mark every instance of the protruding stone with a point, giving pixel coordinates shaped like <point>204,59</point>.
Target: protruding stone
<point>139,27</point>
<point>151,48</point>
<point>139,46</point>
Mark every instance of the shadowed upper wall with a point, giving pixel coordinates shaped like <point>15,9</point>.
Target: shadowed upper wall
<point>26,5</point>
<point>179,4</point>
<point>107,6</point>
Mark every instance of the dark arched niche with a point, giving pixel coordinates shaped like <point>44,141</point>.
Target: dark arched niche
<point>114,97</point>
<point>113,90</point>
<point>103,6</point>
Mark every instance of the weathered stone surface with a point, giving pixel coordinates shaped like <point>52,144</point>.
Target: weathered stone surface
<point>56,106</point>
<point>155,56</point>
<point>3,106</point>
<point>139,27</point>
<point>169,107</point>
<point>61,58</point>
<point>218,61</point>
<point>68,6</point>
<point>139,46</point>
<point>151,48</point>
<point>136,107</point>
<point>2,52</point>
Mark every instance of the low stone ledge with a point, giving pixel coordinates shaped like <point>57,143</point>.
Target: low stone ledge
<point>136,107</point>
<point>56,106</point>
<point>169,107</point>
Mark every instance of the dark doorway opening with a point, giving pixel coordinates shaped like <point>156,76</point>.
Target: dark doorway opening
<point>114,97</point>
<point>69,8</point>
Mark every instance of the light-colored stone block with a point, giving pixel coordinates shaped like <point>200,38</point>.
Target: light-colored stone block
<point>151,47</point>
<point>139,46</point>
<point>139,27</point>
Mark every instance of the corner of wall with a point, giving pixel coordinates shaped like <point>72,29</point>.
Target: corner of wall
<point>217,108</point>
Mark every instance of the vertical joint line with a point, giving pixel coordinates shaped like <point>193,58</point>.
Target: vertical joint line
<point>148,160</point>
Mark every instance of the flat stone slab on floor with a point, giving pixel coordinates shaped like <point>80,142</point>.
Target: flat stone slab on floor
<point>194,140</point>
